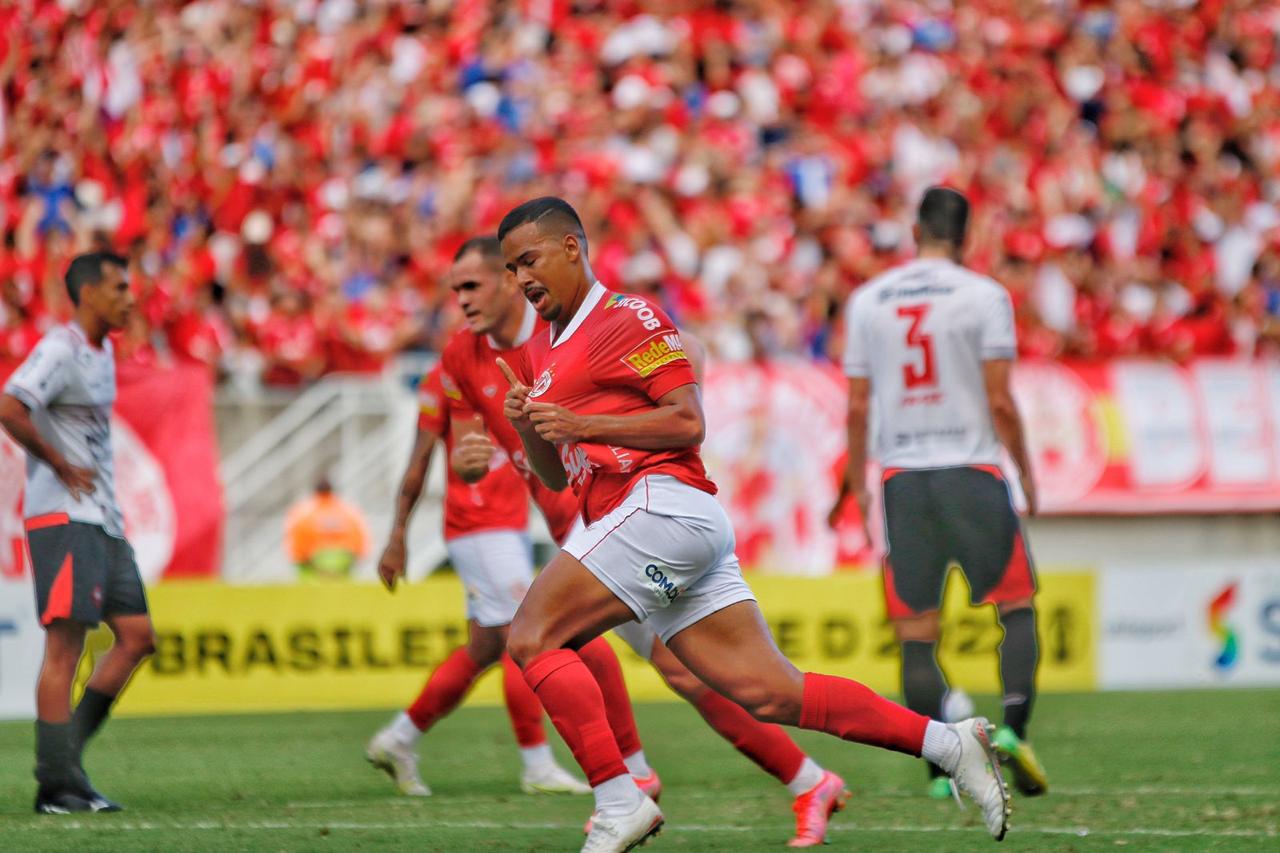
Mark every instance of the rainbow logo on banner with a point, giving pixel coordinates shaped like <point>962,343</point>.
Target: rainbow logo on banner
<point>1218,609</point>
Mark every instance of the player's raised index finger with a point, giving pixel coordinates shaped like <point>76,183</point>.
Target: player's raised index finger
<point>509,373</point>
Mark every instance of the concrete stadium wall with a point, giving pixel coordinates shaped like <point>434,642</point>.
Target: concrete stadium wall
<point>1181,541</point>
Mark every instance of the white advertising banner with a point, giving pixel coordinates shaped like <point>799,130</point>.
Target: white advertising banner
<point>1207,626</point>
<point>21,642</point>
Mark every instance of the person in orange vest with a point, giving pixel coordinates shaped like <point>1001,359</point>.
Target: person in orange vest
<point>325,535</point>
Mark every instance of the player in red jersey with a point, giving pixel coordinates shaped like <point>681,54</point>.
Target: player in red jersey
<point>484,531</point>
<point>605,401</point>
<point>470,363</point>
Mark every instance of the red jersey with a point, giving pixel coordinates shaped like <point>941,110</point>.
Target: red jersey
<point>497,501</point>
<point>470,365</point>
<point>618,356</point>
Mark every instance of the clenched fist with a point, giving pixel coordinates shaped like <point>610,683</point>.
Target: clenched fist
<point>471,456</point>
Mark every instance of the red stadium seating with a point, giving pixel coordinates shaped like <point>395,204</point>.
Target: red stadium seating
<point>290,180</point>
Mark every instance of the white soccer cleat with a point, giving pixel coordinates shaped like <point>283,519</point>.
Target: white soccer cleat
<point>551,779</point>
<point>976,770</point>
<point>399,761</point>
<point>619,833</point>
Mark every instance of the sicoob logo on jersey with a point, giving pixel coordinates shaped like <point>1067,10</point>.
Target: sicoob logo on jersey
<point>544,382</point>
<point>647,318</point>
<point>659,350</point>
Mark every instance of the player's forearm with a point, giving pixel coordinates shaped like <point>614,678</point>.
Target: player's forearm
<point>544,459</point>
<point>664,428</point>
<point>855,467</point>
<point>1008,426</point>
<point>855,464</point>
<point>16,421</point>
<point>415,477</point>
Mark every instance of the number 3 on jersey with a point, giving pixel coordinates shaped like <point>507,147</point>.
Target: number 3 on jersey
<point>913,375</point>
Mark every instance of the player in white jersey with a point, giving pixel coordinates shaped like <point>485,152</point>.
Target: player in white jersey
<point>929,347</point>
<point>57,405</point>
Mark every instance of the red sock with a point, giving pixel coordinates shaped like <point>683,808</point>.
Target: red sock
<point>852,711</point>
<point>601,659</point>
<point>444,689</point>
<point>522,705</point>
<point>767,745</point>
<point>572,699</point>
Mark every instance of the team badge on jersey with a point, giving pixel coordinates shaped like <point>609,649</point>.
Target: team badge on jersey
<point>544,382</point>
<point>428,403</point>
<point>659,350</point>
<point>450,387</point>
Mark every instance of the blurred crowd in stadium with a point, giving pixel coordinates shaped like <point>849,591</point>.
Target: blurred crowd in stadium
<point>289,178</point>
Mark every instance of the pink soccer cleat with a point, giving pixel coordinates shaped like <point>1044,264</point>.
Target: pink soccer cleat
<point>815,807</point>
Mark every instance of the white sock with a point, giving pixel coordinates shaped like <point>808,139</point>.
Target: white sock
<point>636,765</point>
<point>536,756</point>
<point>618,795</point>
<point>941,745</point>
<point>806,778</point>
<point>404,729</point>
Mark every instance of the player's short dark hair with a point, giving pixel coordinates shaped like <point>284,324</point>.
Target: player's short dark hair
<point>548,212</point>
<point>943,216</point>
<point>88,269</point>
<point>489,247</point>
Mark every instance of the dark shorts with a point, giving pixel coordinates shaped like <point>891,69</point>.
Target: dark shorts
<point>82,573</point>
<point>938,516</point>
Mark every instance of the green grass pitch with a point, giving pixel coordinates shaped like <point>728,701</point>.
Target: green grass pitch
<point>1155,771</point>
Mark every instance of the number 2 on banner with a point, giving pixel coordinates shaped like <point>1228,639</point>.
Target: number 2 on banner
<point>917,376</point>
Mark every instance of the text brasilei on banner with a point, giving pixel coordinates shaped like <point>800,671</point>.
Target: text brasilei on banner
<point>228,648</point>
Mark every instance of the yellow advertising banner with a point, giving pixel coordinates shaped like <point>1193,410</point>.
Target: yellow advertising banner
<point>316,646</point>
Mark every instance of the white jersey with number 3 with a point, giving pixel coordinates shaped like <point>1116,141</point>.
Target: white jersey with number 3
<point>921,332</point>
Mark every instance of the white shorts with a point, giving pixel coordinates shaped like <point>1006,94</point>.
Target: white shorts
<point>639,636</point>
<point>496,567</point>
<point>667,553</point>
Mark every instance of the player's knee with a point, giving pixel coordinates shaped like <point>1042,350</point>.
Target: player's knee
<point>767,703</point>
<point>138,645</point>
<point>486,646</point>
<point>687,685</point>
<point>525,641</point>
<point>917,629</point>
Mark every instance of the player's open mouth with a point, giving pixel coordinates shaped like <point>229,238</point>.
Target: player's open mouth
<point>537,297</point>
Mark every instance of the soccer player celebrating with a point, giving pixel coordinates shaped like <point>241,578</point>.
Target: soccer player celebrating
<point>57,405</point>
<point>470,362</point>
<point>933,342</point>
<point>605,401</point>
<point>485,535</point>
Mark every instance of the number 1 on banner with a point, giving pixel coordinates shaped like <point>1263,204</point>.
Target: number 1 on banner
<point>917,376</point>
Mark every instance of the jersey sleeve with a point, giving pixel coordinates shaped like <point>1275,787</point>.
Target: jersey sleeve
<point>433,408</point>
<point>43,375</point>
<point>641,348</point>
<point>855,341</point>
<point>999,340</point>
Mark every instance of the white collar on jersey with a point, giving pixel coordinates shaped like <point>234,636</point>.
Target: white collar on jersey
<point>79,332</point>
<point>527,326</point>
<point>588,305</point>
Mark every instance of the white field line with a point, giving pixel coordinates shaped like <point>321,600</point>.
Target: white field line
<point>1207,793</point>
<point>110,825</point>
